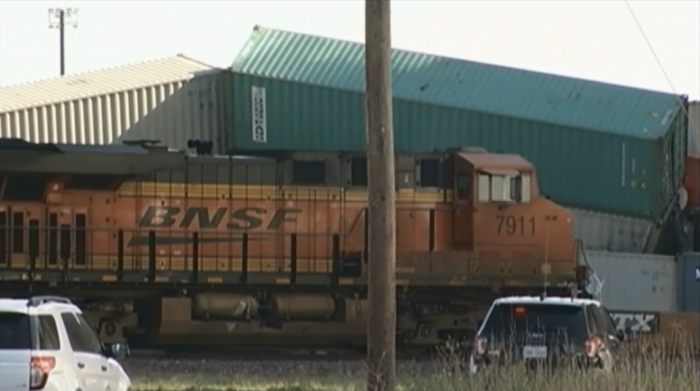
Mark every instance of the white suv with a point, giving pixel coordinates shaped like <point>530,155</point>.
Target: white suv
<point>47,345</point>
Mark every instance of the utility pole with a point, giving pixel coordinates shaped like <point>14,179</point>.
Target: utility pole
<point>381,343</point>
<point>58,18</point>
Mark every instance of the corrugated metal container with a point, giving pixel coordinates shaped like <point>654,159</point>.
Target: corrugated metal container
<point>607,232</point>
<point>688,288</point>
<point>635,282</point>
<point>596,146</point>
<point>694,129</point>
<point>172,100</point>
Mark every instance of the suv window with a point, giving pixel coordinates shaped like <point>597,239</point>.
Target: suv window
<point>594,321</point>
<point>82,337</point>
<point>607,324</point>
<point>15,332</point>
<point>521,318</point>
<point>47,333</point>
<point>600,321</point>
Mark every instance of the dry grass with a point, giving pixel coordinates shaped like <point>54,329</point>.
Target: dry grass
<point>661,364</point>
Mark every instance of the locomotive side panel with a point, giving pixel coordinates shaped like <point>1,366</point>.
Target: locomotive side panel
<point>534,238</point>
<point>150,225</point>
<point>71,226</point>
<point>513,223</point>
<point>269,223</point>
<point>411,228</point>
<point>537,230</point>
<point>221,224</point>
<point>444,227</point>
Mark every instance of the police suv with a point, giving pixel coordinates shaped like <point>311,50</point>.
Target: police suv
<point>546,332</point>
<point>47,345</point>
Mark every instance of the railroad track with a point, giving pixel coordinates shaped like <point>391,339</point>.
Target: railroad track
<point>286,355</point>
<point>270,354</point>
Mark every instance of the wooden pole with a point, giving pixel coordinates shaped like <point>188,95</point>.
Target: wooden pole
<point>381,353</point>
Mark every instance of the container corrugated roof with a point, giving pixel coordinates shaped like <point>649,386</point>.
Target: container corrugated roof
<point>462,84</point>
<point>100,82</point>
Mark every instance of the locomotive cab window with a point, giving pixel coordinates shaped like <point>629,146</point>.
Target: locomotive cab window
<point>504,187</point>
<point>462,185</point>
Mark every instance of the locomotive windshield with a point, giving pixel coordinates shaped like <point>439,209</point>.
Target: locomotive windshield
<point>500,187</point>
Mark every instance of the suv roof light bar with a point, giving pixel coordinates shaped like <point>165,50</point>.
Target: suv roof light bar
<point>39,300</point>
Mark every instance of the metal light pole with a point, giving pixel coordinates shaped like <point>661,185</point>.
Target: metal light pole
<point>59,18</point>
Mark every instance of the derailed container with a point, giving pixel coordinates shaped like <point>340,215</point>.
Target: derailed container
<point>634,282</point>
<point>596,146</point>
<point>607,232</point>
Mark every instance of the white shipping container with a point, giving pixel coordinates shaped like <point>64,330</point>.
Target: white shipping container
<point>607,232</point>
<point>172,100</point>
<point>634,282</point>
<point>694,129</point>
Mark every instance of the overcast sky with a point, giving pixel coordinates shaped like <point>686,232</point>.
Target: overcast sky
<point>590,39</point>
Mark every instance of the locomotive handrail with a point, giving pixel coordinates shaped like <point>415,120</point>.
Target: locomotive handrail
<point>38,258</point>
<point>157,256</point>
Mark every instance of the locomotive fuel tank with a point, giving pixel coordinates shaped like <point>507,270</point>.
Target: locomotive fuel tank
<point>302,306</point>
<point>224,306</point>
<point>171,321</point>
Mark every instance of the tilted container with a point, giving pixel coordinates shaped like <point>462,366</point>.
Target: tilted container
<point>597,146</point>
<point>634,282</point>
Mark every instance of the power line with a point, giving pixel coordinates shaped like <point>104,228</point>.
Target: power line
<point>689,130</point>
<point>658,61</point>
<point>651,47</point>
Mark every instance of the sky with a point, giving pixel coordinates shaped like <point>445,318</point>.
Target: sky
<point>594,39</point>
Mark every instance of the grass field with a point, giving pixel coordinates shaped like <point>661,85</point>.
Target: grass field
<point>645,368</point>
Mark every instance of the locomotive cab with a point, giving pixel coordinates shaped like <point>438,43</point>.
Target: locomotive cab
<point>500,215</point>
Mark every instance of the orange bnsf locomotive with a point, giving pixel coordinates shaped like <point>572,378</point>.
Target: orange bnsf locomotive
<point>166,249</point>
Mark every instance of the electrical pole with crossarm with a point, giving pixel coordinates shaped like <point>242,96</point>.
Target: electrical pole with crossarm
<point>381,339</point>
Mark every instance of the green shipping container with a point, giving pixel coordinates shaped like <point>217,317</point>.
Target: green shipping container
<point>597,146</point>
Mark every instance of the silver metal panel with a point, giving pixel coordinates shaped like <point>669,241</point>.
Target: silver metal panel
<point>634,282</point>
<point>100,82</point>
<point>603,231</point>
<point>180,104</point>
<point>688,286</point>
